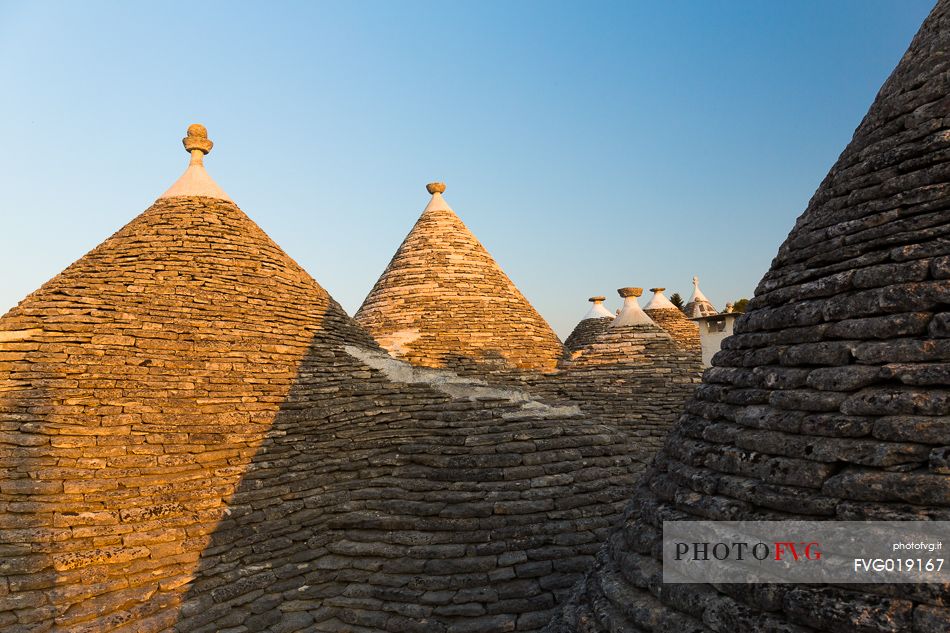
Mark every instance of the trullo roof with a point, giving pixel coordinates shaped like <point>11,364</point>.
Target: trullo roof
<point>443,302</point>
<point>829,402</point>
<point>633,373</point>
<point>666,315</point>
<point>698,305</point>
<point>594,323</point>
<point>196,437</point>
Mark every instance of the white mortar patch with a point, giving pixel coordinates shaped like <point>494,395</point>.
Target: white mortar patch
<point>456,386</point>
<point>397,342</point>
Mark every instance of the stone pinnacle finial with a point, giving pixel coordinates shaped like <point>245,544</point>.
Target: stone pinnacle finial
<point>196,181</point>
<point>657,289</point>
<point>630,292</point>
<point>197,139</point>
<point>435,187</point>
<point>695,281</point>
<point>597,299</point>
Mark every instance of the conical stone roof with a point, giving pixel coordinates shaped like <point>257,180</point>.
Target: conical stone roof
<point>630,338</point>
<point>666,315</point>
<point>635,374</point>
<point>443,302</point>
<point>698,305</point>
<point>830,401</point>
<point>594,323</point>
<point>196,436</point>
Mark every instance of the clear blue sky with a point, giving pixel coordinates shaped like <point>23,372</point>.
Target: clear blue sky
<point>589,146</point>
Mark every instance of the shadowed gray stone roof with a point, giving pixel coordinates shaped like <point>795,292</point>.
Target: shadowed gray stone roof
<point>829,402</point>
<point>594,323</point>
<point>585,333</point>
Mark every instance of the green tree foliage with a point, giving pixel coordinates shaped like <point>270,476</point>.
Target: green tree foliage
<point>740,305</point>
<point>677,300</point>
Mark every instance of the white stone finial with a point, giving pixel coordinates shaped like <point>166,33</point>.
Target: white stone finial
<point>598,311</point>
<point>698,305</point>
<point>659,301</point>
<point>196,181</point>
<point>437,203</point>
<point>697,293</point>
<point>631,313</point>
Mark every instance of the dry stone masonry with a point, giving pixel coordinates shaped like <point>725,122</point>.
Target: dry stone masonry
<point>422,310</point>
<point>662,312</point>
<point>594,323</point>
<point>194,436</point>
<point>443,302</point>
<point>829,402</point>
<point>634,374</point>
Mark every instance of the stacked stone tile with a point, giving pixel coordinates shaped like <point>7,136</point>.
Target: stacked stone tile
<point>635,375</point>
<point>195,436</point>
<point>666,315</point>
<point>830,401</point>
<point>594,323</point>
<point>443,302</point>
<point>422,311</point>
